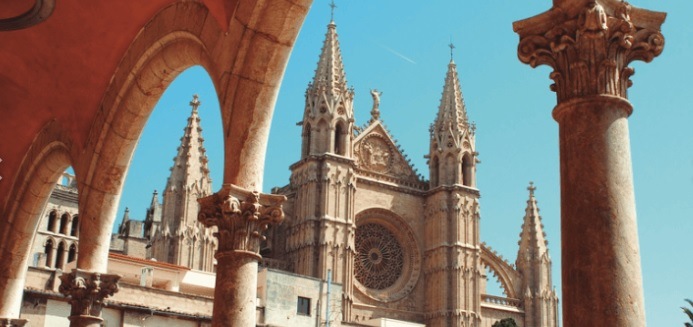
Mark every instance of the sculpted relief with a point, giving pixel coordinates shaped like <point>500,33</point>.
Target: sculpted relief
<point>375,155</point>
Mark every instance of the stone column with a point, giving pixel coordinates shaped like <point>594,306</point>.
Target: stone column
<point>87,292</point>
<point>589,44</point>
<point>240,216</point>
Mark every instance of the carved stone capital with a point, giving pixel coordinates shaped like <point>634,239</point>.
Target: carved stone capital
<point>240,216</point>
<point>87,291</point>
<point>7,322</point>
<point>590,48</point>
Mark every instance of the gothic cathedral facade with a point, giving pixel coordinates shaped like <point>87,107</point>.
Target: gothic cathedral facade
<point>400,246</point>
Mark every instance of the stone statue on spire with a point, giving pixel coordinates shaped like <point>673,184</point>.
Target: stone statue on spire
<point>375,112</point>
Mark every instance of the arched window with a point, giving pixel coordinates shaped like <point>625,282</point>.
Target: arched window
<point>52,218</point>
<point>434,167</point>
<point>48,250</point>
<point>60,256</point>
<point>467,170</point>
<point>64,221</point>
<point>75,226</point>
<point>306,141</point>
<point>339,139</point>
<point>72,254</point>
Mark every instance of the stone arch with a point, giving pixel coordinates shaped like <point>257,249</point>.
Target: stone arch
<point>45,161</point>
<point>340,138</point>
<point>72,253</point>
<point>307,141</point>
<point>52,221</point>
<point>506,274</point>
<point>435,171</point>
<point>60,255</point>
<point>64,223</point>
<point>74,226</point>
<point>467,170</point>
<point>151,63</point>
<point>48,246</point>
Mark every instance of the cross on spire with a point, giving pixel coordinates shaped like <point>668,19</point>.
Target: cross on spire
<point>332,7</point>
<point>195,102</point>
<point>452,47</point>
<point>531,188</point>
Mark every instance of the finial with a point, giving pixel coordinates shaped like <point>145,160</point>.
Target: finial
<point>531,188</point>
<point>332,6</point>
<point>452,47</point>
<point>195,102</point>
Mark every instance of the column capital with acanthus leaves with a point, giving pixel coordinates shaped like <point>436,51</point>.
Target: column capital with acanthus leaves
<point>240,216</point>
<point>589,44</point>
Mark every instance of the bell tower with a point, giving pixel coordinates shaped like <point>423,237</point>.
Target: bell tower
<point>452,252</point>
<point>321,231</point>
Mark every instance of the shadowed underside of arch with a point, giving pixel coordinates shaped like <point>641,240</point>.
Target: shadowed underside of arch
<point>243,45</point>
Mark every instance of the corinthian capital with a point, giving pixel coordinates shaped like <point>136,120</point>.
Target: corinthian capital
<point>87,291</point>
<point>589,44</point>
<point>240,216</point>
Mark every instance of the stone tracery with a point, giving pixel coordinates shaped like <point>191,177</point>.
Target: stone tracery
<point>379,260</point>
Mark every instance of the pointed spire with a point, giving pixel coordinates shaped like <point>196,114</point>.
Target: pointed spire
<point>190,164</point>
<point>330,75</point>
<point>155,199</point>
<point>532,238</point>
<point>452,114</point>
<point>124,223</point>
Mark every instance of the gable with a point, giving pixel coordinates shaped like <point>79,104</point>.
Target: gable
<point>376,153</point>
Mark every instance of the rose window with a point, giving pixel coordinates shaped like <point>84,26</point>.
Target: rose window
<point>379,258</point>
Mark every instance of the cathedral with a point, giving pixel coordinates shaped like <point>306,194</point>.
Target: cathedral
<point>400,246</point>
<point>358,216</point>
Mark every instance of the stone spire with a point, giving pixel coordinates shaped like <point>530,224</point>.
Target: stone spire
<point>190,171</point>
<point>124,222</point>
<point>532,238</point>
<point>452,157</point>
<point>330,72</point>
<point>189,180</point>
<point>329,112</point>
<point>452,114</point>
<point>534,265</point>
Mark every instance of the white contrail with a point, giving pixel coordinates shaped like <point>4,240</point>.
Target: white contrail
<point>397,53</point>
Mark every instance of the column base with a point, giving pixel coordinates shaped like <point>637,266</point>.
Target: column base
<point>7,322</point>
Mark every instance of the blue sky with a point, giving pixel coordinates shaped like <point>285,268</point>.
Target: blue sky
<point>400,48</point>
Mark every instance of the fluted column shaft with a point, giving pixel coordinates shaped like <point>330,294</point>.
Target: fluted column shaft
<point>589,44</point>
<point>240,217</point>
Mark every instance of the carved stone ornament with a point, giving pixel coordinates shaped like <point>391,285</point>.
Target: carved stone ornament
<point>379,259</point>
<point>240,216</point>
<point>87,291</point>
<point>590,52</point>
<point>375,154</point>
<point>388,261</point>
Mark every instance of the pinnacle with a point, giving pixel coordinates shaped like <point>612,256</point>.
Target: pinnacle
<point>190,163</point>
<point>532,238</point>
